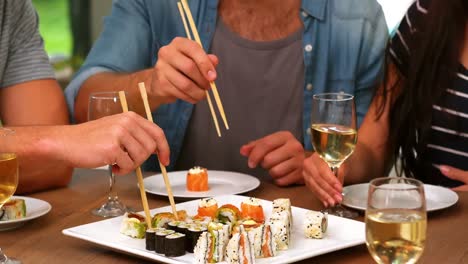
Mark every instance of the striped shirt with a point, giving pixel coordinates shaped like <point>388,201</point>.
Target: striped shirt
<point>448,139</point>
<point>22,55</point>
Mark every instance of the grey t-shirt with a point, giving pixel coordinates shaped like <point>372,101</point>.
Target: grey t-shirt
<point>261,87</point>
<point>22,55</point>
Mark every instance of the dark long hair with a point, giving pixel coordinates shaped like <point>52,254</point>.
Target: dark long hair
<point>435,49</point>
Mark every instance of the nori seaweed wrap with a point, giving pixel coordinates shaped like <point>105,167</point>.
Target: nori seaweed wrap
<point>159,242</point>
<point>174,245</point>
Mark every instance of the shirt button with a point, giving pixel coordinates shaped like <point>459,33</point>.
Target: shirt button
<point>308,48</point>
<point>309,87</point>
<point>304,14</point>
<point>309,131</point>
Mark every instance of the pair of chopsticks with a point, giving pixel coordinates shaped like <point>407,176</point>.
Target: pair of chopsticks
<point>184,10</point>
<point>144,200</point>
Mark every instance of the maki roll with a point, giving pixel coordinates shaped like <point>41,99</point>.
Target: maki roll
<point>133,225</point>
<point>160,220</point>
<point>262,241</point>
<point>174,245</point>
<point>283,204</point>
<point>228,213</point>
<point>197,179</point>
<point>281,229</point>
<point>13,209</point>
<point>207,207</point>
<point>315,224</point>
<point>193,233</point>
<point>210,246</point>
<point>182,227</point>
<point>159,241</point>
<point>240,249</point>
<point>172,225</point>
<point>252,209</point>
<point>150,239</point>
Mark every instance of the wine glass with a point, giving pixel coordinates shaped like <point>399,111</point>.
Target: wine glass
<point>103,104</point>
<point>334,135</point>
<point>8,185</point>
<point>396,220</point>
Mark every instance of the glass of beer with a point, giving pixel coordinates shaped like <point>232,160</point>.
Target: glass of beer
<point>103,104</point>
<point>334,135</point>
<point>396,220</point>
<point>8,185</point>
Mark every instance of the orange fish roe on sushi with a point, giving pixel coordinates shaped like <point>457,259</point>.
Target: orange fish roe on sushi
<point>252,209</point>
<point>207,207</point>
<point>197,179</point>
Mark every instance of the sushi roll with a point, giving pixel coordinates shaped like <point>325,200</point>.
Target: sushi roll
<point>240,249</point>
<point>161,220</point>
<point>13,209</point>
<point>133,225</point>
<point>193,233</point>
<point>182,227</point>
<point>262,241</point>
<point>174,245</point>
<point>160,240</point>
<point>252,209</point>
<point>315,224</point>
<point>197,180</point>
<point>210,247</point>
<point>207,207</point>
<point>150,237</point>
<point>281,229</point>
<point>228,213</point>
<point>172,225</point>
<point>283,204</point>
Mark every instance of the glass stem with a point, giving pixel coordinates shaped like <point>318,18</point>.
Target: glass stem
<point>112,193</point>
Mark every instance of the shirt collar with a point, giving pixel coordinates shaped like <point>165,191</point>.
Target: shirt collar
<point>315,8</point>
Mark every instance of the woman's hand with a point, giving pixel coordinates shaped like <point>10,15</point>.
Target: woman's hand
<point>456,174</point>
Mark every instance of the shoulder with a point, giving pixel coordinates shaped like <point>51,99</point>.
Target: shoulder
<point>369,10</point>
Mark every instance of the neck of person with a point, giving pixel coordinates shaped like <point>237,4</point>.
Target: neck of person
<point>261,20</point>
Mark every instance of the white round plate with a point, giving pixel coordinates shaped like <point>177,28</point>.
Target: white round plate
<point>34,208</point>
<point>220,183</point>
<point>437,197</point>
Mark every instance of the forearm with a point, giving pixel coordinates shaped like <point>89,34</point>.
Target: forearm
<point>111,81</point>
<point>39,158</point>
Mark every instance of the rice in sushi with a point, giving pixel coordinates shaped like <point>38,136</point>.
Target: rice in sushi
<point>239,249</point>
<point>133,225</point>
<point>315,224</point>
<point>281,229</point>
<point>13,209</point>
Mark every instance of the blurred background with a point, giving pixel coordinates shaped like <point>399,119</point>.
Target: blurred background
<point>69,28</point>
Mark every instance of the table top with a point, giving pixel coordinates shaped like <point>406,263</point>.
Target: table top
<point>42,241</point>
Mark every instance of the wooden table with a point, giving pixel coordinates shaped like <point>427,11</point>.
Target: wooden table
<point>41,240</point>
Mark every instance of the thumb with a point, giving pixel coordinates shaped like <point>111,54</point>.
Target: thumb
<point>454,173</point>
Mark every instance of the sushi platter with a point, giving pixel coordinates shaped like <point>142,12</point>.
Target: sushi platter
<point>247,228</point>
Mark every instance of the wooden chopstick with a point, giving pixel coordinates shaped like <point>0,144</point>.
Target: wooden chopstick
<point>208,98</point>
<point>149,116</point>
<point>197,39</point>
<point>141,185</point>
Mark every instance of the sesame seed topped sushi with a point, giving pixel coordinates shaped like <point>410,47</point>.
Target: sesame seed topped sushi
<point>252,209</point>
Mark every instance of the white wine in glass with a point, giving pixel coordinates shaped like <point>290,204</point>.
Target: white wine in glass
<point>334,135</point>
<point>396,220</point>
<point>103,104</point>
<point>8,184</point>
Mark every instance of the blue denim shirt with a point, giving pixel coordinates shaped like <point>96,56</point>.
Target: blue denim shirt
<point>343,41</point>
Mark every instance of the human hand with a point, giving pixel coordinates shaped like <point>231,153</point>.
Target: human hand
<point>279,153</point>
<point>456,174</point>
<point>124,140</point>
<point>183,71</point>
<point>320,179</point>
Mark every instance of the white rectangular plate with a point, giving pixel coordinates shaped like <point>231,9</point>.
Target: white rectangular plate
<point>341,233</point>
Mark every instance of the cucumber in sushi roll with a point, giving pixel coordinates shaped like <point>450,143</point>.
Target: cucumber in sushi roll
<point>174,245</point>
<point>133,225</point>
<point>160,240</point>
